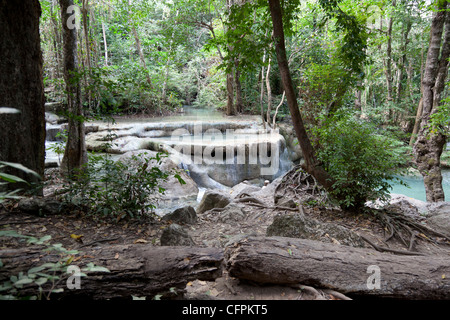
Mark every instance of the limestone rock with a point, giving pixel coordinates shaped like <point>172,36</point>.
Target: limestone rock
<point>175,235</point>
<point>213,199</point>
<point>439,218</point>
<point>232,212</point>
<point>185,215</point>
<point>243,187</point>
<point>42,206</point>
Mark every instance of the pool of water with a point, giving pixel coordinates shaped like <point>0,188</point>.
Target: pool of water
<point>190,113</point>
<point>416,188</point>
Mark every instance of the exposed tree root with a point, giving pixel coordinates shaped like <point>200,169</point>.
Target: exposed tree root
<point>406,229</point>
<point>303,185</point>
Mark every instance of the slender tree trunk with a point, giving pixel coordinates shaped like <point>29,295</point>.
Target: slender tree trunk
<point>269,94</point>
<point>84,10</point>
<point>75,155</point>
<point>388,61</point>
<point>105,43</point>
<point>416,123</point>
<point>22,135</point>
<point>230,95</point>
<point>56,41</point>
<point>402,60</point>
<point>261,95</point>
<point>140,52</point>
<point>429,145</point>
<point>312,164</point>
<point>237,82</point>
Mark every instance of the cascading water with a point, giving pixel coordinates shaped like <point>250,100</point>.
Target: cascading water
<point>216,151</point>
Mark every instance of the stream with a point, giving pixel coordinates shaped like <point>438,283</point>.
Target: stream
<point>416,189</point>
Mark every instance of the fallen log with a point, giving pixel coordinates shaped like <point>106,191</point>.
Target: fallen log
<point>135,270</point>
<point>349,270</point>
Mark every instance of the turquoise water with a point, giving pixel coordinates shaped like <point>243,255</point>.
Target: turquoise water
<point>416,188</point>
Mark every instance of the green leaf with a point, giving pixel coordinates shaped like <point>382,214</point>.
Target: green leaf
<point>21,167</point>
<point>93,268</point>
<point>59,290</point>
<point>21,282</point>
<point>41,281</point>
<point>11,178</point>
<point>42,267</point>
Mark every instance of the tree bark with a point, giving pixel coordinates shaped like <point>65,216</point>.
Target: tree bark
<point>75,154</point>
<point>388,61</point>
<point>348,270</point>
<point>402,60</point>
<point>416,123</point>
<point>136,270</point>
<point>230,95</point>
<point>269,94</point>
<point>22,135</point>
<point>105,43</point>
<point>312,164</point>
<point>237,82</point>
<point>429,145</point>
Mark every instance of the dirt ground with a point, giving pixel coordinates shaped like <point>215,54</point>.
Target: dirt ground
<point>76,230</point>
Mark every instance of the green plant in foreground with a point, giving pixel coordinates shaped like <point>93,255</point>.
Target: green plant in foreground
<point>361,161</point>
<point>9,178</point>
<point>50,274</point>
<point>119,188</point>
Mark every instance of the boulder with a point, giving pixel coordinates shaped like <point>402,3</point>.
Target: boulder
<point>287,203</point>
<point>186,215</point>
<point>232,212</point>
<point>175,235</point>
<point>243,187</point>
<point>439,217</point>
<point>42,206</point>
<point>213,199</point>
<point>299,226</point>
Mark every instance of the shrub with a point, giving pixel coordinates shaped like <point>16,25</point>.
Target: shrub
<point>118,188</point>
<point>361,161</point>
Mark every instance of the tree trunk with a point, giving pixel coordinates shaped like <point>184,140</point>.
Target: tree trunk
<point>388,61</point>
<point>312,165</point>
<point>416,123</point>
<point>136,270</point>
<point>230,95</point>
<point>105,43</point>
<point>75,155</point>
<point>269,94</point>
<point>348,270</point>
<point>429,145</point>
<point>261,95</point>
<point>84,10</point>
<point>402,60</point>
<point>237,82</point>
<point>56,41</point>
<point>22,135</point>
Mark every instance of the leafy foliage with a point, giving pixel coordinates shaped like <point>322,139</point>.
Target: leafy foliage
<point>9,178</point>
<point>360,159</point>
<point>117,189</point>
<point>45,276</point>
